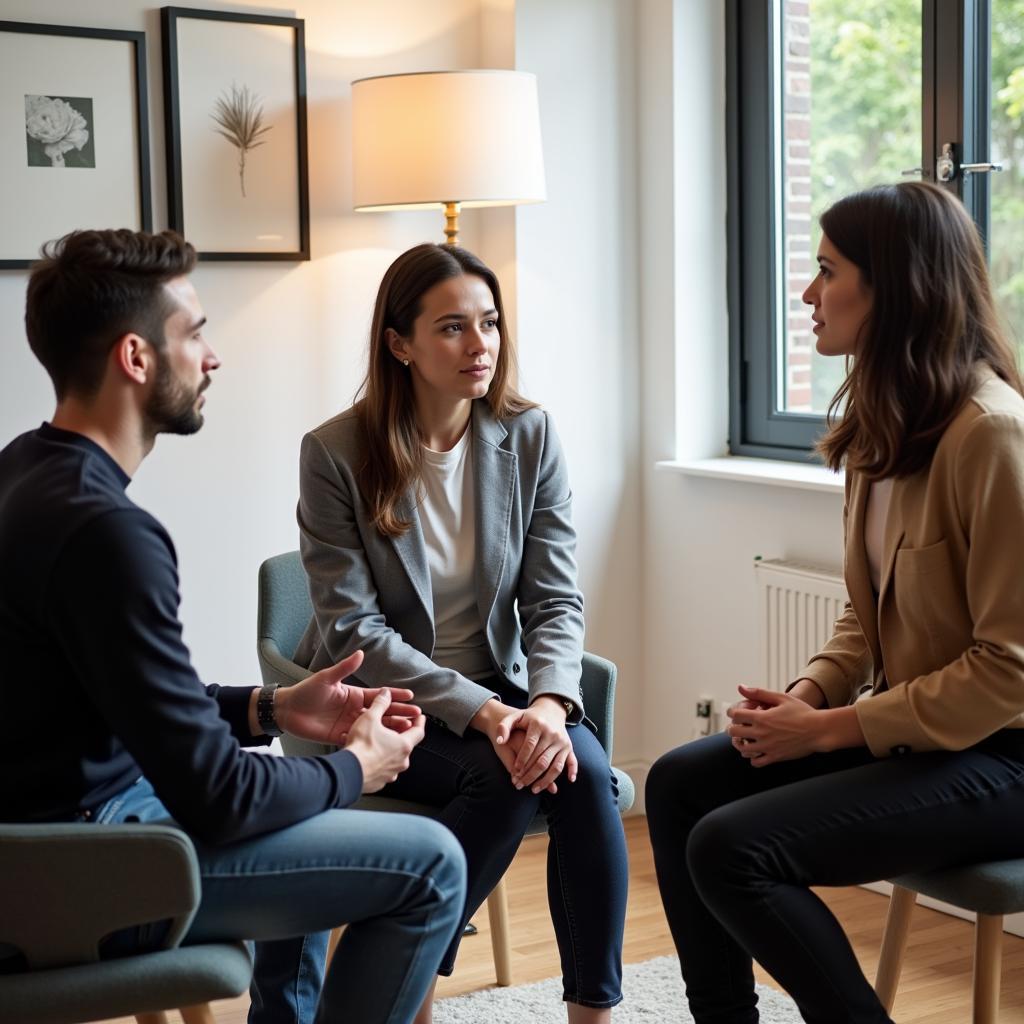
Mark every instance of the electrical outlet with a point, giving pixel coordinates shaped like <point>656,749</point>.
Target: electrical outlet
<point>704,717</point>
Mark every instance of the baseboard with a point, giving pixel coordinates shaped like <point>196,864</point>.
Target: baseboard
<point>1012,923</point>
<point>637,770</point>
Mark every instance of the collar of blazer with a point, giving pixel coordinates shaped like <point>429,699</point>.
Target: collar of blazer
<point>494,482</point>
<point>858,576</point>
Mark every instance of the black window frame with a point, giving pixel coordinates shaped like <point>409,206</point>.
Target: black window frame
<point>955,108</point>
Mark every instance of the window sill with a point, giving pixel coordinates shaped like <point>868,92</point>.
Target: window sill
<point>773,472</point>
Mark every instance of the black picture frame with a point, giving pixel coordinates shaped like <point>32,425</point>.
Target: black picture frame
<point>178,194</point>
<point>16,235</point>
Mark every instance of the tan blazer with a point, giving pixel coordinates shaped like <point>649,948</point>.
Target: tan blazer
<point>943,645</point>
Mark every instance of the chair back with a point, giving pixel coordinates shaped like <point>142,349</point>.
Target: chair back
<point>64,887</point>
<point>284,605</point>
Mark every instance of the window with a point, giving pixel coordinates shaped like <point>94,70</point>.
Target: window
<point>829,96</point>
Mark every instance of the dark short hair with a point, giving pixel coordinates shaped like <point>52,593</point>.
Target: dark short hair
<point>91,288</point>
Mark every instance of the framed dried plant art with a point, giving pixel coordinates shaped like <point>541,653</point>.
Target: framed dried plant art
<point>235,112</point>
<point>75,131</point>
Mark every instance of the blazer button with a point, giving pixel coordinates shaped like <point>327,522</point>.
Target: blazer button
<point>503,669</point>
<point>515,667</point>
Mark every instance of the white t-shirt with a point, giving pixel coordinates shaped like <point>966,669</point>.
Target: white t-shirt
<point>874,528</point>
<point>448,520</point>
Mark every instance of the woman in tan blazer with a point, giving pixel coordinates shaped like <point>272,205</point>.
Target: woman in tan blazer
<point>907,729</point>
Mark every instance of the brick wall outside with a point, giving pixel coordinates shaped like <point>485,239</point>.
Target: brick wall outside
<point>799,266</point>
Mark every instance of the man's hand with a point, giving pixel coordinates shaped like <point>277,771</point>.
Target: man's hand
<point>382,752</point>
<point>323,709</point>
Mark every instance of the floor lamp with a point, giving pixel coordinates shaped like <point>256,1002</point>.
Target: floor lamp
<point>449,140</point>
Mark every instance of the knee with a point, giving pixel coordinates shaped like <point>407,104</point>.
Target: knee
<point>718,849</point>
<point>441,858</point>
<point>688,781</point>
<point>670,777</point>
<point>661,784</point>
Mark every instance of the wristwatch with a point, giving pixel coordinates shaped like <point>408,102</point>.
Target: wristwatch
<point>265,711</point>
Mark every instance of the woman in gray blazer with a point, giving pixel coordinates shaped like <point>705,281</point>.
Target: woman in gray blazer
<point>436,534</point>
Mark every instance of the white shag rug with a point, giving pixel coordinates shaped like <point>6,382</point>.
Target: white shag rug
<point>652,990</point>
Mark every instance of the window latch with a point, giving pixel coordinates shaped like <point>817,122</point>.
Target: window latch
<point>946,168</point>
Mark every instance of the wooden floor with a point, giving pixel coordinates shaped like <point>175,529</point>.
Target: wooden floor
<point>936,976</point>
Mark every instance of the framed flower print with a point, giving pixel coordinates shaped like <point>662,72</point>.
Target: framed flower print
<point>75,135</point>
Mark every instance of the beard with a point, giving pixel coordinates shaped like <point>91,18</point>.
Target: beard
<point>172,405</point>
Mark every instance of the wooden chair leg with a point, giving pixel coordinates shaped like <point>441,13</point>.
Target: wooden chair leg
<point>894,942</point>
<point>332,944</point>
<point>988,963</point>
<point>158,1017</point>
<point>201,1013</point>
<point>497,912</point>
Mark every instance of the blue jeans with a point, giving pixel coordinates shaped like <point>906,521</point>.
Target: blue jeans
<point>737,850</point>
<point>397,881</point>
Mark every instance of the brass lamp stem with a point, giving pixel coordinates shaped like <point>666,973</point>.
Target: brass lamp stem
<point>451,223</point>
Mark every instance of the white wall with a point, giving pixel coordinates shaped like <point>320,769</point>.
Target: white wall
<point>700,535</point>
<point>292,337</point>
<point>577,279</point>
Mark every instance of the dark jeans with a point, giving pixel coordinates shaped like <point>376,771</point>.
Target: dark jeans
<point>587,866</point>
<point>737,848</point>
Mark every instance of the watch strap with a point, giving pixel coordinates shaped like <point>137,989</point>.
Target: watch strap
<point>265,711</point>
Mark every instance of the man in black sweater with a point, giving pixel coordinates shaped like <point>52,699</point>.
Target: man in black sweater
<point>113,723</point>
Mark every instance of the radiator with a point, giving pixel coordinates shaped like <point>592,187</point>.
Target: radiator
<point>797,605</point>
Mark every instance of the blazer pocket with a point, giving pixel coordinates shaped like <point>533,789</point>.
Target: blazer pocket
<point>931,604</point>
<point>918,561</point>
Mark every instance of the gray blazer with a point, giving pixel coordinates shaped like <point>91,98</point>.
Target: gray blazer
<point>372,593</point>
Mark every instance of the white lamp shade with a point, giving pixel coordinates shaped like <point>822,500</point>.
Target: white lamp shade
<point>422,140</point>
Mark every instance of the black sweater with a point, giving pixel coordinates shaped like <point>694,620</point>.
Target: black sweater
<point>96,684</point>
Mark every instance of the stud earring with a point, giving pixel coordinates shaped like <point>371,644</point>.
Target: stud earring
<point>405,362</point>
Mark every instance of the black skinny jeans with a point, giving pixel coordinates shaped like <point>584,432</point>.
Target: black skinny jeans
<point>587,868</point>
<point>737,848</point>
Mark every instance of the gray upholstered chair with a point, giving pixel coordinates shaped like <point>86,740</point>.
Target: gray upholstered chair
<point>284,612</point>
<point>990,890</point>
<point>64,887</point>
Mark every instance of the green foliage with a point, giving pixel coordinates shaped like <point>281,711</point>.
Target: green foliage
<point>1006,247</point>
<point>866,125</point>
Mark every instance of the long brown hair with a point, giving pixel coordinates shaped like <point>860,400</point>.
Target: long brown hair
<point>933,320</point>
<point>387,413</point>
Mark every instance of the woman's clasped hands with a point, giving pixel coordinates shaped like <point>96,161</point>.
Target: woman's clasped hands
<point>768,726</point>
<point>532,743</point>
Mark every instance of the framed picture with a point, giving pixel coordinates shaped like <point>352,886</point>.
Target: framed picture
<point>75,135</point>
<point>235,104</point>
